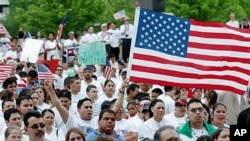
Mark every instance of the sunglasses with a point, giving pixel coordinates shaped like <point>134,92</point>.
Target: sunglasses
<point>36,126</point>
<point>77,138</point>
<point>180,105</point>
<point>59,70</point>
<point>194,110</point>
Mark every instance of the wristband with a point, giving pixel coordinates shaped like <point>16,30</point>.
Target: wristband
<point>122,92</point>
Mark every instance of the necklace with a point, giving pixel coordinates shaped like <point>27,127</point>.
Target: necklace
<point>197,132</point>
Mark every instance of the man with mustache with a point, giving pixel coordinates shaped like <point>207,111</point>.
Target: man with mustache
<point>34,126</point>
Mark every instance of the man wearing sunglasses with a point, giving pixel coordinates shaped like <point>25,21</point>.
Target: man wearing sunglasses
<point>196,126</point>
<point>34,126</point>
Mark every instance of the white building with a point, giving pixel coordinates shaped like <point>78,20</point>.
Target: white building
<point>4,8</point>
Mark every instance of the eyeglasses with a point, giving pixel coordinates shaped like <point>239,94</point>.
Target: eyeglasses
<point>180,105</point>
<point>194,110</point>
<point>59,70</point>
<point>77,138</point>
<point>36,126</point>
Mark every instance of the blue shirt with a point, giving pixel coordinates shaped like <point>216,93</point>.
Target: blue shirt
<point>93,135</point>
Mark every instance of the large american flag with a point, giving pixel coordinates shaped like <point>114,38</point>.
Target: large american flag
<point>178,52</point>
<point>44,73</point>
<point>61,27</point>
<point>5,71</point>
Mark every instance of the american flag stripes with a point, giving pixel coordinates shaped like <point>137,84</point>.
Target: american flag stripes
<point>44,73</point>
<point>120,14</point>
<point>61,27</point>
<point>107,70</point>
<point>5,71</point>
<point>178,52</point>
<point>4,31</point>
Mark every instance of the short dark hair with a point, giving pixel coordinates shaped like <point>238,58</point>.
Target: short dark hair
<point>32,73</point>
<point>168,88</point>
<point>157,135</point>
<point>141,95</point>
<point>10,111</point>
<point>24,91</point>
<point>90,87</point>
<point>157,90</point>
<point>21,98</point>
<point>66,81</point>
<point>193,100</point>
<point>131,102</point>
<point>6,100</point>
<point>132,87</point>
<point>9,81</point>
<point>6,94</point>
<point>65,93</point>
<point>80,102</point>
<point>30,114</point>
<point>106,111</point>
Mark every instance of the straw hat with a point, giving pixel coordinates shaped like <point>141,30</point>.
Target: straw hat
<point>126,18</point>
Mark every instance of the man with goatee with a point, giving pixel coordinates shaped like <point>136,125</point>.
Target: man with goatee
<point>34,126</point>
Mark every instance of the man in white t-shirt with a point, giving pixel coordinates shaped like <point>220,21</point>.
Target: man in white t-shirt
<point>88,80</point>
<point>168,98</point>
<point>232,22</point>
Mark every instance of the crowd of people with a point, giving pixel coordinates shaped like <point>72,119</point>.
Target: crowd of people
<point>82,104</point>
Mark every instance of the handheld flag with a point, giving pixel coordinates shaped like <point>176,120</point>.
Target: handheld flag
<point>44,73</point>
<point>108,70</point>
<point>4,31</point>
<point>120,14</point>
<point>61,27</point>
<point>187,53</point>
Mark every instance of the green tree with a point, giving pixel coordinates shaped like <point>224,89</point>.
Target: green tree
<point>208,10</point>
<point>45,15</point>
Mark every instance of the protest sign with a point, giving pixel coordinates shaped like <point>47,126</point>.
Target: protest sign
<point>92,53</point>
<point>31,50</point>
<point>72,52</point>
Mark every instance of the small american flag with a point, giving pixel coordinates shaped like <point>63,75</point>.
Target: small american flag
<point>44,73</point>
<point>4,32</point>
<point>5,71</point>
<point>108,70</point>
<point>61,27</point>
<point>119,14</point>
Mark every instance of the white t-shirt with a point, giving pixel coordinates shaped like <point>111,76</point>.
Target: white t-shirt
<point>55,135</point>
<point>169,103</point>
<point>233,24</point>
<point>76,97</point>
<point>196,133</point>
<point>85,125</point>
<point>40,108</point>
<point>123,127</point>
<point>84,86</point>
<point>89,38</point>
<point>175,121</point>
<point>49,45</point>
<point>150,126</point>
<point>58,119</point>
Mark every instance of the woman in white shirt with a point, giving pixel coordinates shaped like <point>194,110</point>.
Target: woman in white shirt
<point>156,112</point>
<point>51,133</point>
<point>42,99</point>
<point>51,47</point>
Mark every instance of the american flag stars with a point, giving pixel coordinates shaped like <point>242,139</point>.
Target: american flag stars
<point>168,35</point>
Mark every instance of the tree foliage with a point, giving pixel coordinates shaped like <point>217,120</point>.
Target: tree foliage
<point>208,10</point>
<point>46,15</point>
